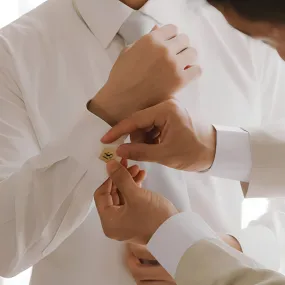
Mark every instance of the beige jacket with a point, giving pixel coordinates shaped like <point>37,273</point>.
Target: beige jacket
<point>212,262</point>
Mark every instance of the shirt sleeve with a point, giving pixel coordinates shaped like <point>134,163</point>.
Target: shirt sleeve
<point>267,140</point>
<point>175,236</point>
<point>260,244</point>
<point>264,238</point>
<point>45,193</point>
<point>233,154</point>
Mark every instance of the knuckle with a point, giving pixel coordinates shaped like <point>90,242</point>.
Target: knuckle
<point>138,273</point>
<point>169,59</point>
<point>199,71</point>
<point>134,268</point>
<point>196,72</point>
<point>150,40</point>
<point>193,54</point>
<point>137,155</point>
<point>164,52</point>
<point>172,104</point>
<point>184,38</point>
<point>173,28</point>
<point>177,77</point>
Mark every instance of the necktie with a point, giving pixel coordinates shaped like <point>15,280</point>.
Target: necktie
<point>136,26</point>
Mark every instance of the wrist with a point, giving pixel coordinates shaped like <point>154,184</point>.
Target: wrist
<point>231,241</point>
<point>102,106</point>
<point>207,153</point>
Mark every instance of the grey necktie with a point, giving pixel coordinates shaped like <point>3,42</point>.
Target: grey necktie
<point>136,26</point>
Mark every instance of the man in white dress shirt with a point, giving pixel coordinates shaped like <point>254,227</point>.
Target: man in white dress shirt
<point>56,58</point>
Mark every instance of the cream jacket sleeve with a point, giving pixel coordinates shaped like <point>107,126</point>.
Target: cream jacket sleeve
<point>45,193</point>
<point>212,262</point>
<point>193,255</point>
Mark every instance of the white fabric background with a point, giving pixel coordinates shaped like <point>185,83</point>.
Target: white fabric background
<point>10,10</point>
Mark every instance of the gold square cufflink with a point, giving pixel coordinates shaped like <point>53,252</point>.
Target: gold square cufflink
<point>108,154</point>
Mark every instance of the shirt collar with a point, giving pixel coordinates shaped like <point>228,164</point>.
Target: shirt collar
<point>103,17</point>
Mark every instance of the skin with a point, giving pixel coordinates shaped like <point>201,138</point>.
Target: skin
<point>149,273</point>
<point>272,34</point>
<point>134,4</point>
<point>123,207</point>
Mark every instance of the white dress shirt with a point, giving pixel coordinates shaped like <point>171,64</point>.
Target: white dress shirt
<point>52,61</point>
<point>255,154</point>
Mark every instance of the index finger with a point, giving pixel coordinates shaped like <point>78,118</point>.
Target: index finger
<point>140,120</point>
<point>167,32</point>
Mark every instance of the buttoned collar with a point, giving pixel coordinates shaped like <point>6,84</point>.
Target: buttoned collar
<point>105,17</point>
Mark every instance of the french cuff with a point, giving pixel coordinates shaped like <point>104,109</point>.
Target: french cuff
<point>233,155</point>
<point>83,144</point>
<point>175,237</point>
<point>267,177</point>
<point>260,244</point>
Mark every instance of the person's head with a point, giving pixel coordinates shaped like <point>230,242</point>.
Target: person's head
<point>261,19</point>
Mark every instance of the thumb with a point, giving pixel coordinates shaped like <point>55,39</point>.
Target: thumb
<point>121,178</point>
<point>141,152</point>
<point>156,27</point>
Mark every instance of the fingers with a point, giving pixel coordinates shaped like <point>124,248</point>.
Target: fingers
<point>192,73</point>
<point>121,177</point>
<point>140,120</point>
<point>124,162</point>
<point>139,251</point>
<point>166,32</point>
<point>134,170</point>
<point>140,177</point>
<point>152,282</point>
<point>179,43</point>
<point>146,272</point>
<point>156,27</point>
<point>187,57</point>
<point>153,118</point>
<point>102,196</point>
<point>142,152</point>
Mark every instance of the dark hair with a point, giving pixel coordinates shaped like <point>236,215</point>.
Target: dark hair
<point>256,10</point>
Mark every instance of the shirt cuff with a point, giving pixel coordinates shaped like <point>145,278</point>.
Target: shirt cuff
<point>233,155</point>
<point>82,144</point>
<point>260,244</point>
<point>175,236</point>
<point>267,177</point>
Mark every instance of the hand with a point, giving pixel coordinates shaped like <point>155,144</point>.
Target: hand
<point>144,268</point>
<point>138,177</point>
<point>166,134</point>
<point>139,212</point>
<point>147,73</point>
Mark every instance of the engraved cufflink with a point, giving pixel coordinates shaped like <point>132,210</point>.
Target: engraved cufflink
<point>108,154</point>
